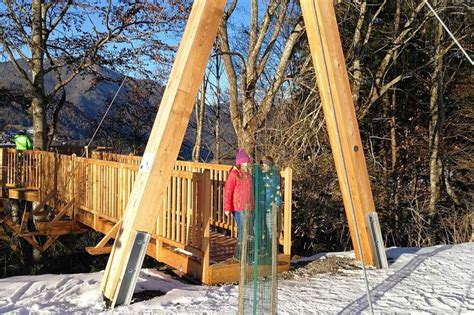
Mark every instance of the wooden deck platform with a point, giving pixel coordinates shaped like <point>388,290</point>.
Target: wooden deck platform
<point>83,194</point>
<point>28,194</point>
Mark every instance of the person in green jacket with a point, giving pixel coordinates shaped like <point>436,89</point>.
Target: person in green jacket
<point>22,142</point>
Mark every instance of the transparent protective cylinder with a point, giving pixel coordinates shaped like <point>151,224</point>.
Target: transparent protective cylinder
<point>259,248</point>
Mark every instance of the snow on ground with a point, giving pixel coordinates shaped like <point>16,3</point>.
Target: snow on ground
<point>423,281</point>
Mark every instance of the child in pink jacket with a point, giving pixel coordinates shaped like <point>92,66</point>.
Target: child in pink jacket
<point>238,194</point>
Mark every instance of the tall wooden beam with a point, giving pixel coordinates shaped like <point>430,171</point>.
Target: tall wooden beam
<point>341,121</point>
<point>166,136</point>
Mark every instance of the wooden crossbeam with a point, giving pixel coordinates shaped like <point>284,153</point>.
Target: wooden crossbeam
<point>196,252</point>
<point>29,194</point>
<point>34,233</point>
<point>166,137</point>
<point>98,251</point>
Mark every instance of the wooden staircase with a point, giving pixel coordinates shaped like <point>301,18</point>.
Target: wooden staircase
<point>49,223</point>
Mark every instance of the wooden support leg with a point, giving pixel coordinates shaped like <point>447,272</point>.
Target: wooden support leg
<point>43,202</point>
<point>24,221</point>
<point>33,242</point>
<point>101,247</point>
<point>166,138</point>
<point>62,212</point>
<point>339,112</point>
<point>205,204</point>
<point>49,242</point>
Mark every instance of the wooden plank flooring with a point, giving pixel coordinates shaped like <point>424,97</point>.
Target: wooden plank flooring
<point>222,247</point>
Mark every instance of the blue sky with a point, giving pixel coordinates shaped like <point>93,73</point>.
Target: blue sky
<point>241,16</point>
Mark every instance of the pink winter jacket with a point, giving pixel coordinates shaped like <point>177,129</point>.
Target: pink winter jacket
<point>238,191</point>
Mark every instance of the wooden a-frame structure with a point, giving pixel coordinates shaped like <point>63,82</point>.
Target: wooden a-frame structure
<point>176,106</point>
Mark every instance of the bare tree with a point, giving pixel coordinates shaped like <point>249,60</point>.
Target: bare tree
<point>271,39</point>
<point>66,38</point>
<point>217,130</point>
<point>362,42</point>
<point>200,110</point>
<point>436,113</point>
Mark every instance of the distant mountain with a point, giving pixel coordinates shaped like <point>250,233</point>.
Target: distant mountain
<point>128,123</point>
<point>86,99</point>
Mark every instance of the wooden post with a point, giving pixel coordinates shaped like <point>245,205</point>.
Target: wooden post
<point>166,136</point>
<point>204,195</point>
<point>3,167</point>
<point>274,255</point>
<point>339,112</point>
<point>287,211</point>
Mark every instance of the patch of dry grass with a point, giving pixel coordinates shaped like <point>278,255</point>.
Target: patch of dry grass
<point>331,264</point>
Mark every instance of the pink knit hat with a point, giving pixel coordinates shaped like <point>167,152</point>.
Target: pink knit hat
<point>241,157</point>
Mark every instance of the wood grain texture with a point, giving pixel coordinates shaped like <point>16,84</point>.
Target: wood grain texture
<point>166,136</point>
<point>339,112</point>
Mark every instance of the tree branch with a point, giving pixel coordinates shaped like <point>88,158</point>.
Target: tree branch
<point>271,43</point>
<point>253,24</point>
<point>20,70</point>
<point>279,77</point>
<point>256,46</point>
<point>58,19</point>
<point>17,22</point>
<point>230,70</point>
<point>404,37</point>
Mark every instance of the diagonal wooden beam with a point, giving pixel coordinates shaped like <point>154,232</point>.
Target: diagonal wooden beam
<point>166,137</point>
<point>33,242</point>
<point>101,247</point>
<point>339,112</point>
<point>49,242</point>
<point>24,221</point>
<point>43,202</point>
<point>63,211</point>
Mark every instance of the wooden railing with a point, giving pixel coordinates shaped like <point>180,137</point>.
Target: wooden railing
<point>218,176</point>
<point>20,168</point>
<point>103,186</point>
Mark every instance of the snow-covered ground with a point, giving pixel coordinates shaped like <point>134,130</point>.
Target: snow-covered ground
<point>423,281</point>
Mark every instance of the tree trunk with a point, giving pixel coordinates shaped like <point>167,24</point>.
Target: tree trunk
<point>393,104</point>
<point>217,153</point>
<point>246,140</point>
<point>436,117</point>
<point>38,103</point>
<point>15,211</point>
<point>247,112</point>
<point>357,46</point>
<point>39,124</point>
<point>393,122</point>
<point>200,111</point>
